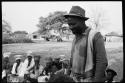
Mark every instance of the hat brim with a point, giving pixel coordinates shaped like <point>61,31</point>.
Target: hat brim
<point>18,58</point>
<point>109,70</point>
<point>75,15</point>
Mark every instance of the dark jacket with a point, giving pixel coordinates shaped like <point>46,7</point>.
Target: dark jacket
<point>100,58</point>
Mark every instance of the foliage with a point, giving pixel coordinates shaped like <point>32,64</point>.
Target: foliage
<point>7,41</point>
<point>16,40</point>
<point>20,32</point>
<point>6,26</point>
<point>98,18</point>
<point>53,21</point>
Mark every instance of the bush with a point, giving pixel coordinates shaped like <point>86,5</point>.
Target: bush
<point>7,41</point>
<point>16,40</point>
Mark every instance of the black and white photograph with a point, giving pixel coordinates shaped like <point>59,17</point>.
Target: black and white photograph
<point>62,41</point>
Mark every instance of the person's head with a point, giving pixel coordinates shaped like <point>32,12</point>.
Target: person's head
<point>6,56</point>
<point>56,60</point>
<point>110,74</point>
<point>65,63</point>
<point>29,55</point>
<point>76,20</point>
<point>6,59</point>
<point>18,61</point>
<point>18,58</point>
<point>29,58</point>
<point>48,61</point>
<point>37,59</point>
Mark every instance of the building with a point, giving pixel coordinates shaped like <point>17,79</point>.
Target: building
<point>114,37</point>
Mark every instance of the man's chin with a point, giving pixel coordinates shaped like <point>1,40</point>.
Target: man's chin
<point>76,33</point>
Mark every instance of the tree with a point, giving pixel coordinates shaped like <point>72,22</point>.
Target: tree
<point>53,21</point>
<point>98,18</point>
<point>20,32</point>
<point>6,26</point>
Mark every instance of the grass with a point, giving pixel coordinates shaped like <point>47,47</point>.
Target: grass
<point>54,49</point>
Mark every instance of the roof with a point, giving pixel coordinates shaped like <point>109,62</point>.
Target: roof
<point>114,34</point>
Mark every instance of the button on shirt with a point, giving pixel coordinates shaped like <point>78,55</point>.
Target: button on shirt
<point>78,53</point>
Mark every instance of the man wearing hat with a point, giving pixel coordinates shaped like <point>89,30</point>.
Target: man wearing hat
<point>6,66</point>
<point>110,75</point>
<point>17,66</point>
<point>28,63</point>
<point>37,70</point>
<point>88,54</point>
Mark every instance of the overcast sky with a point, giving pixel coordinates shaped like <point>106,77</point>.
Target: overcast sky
<point>25,15</point>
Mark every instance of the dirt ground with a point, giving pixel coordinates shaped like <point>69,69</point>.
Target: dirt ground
<point>45,49</point>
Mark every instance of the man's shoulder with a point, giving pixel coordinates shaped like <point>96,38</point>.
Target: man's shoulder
<point>96,34</point>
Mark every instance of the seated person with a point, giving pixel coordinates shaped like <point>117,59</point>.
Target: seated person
<point>57,63</point>
<point>16,73</point>
<point>37,70</point>
<point>6,66</point>
<point>65,68</point>
<point>110,75</point>
<point>17,66</point>
<point>48,66</point>
<point>28,63</point>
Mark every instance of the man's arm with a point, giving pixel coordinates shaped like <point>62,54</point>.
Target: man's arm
<point>100,57</point>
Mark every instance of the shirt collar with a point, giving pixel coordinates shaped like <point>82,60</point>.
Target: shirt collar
<point>86,31</point>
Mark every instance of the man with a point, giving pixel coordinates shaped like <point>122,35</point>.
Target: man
<point>37,70</point>
<point>48,66</point>
<point>28,63</point>
<point>6,66</point>
<point>16,73</point>
<point>17,66</point>
<point>57,63</point>
<point>88,54</point>
<point>110,75</point>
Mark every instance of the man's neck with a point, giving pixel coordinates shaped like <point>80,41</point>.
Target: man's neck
<point>83,31</point>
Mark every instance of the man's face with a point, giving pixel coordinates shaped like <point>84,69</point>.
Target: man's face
<point>18,61</point>
<point>76,25</point>
<point>29,57</point>
<point>36,60</point>
<point>6,59</point>
<point>109,75</point>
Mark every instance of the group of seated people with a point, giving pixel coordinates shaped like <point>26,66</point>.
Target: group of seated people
<point>30,70</point>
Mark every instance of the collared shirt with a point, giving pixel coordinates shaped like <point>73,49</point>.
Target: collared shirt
<point>79,52</point>
<point>19,69</point>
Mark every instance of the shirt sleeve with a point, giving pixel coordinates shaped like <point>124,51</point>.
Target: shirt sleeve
<point>13,69</point>
<point>100,57</point>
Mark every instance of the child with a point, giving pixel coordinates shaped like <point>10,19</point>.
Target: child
<point>110,75</point>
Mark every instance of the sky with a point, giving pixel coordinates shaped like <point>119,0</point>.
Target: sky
<point>25,15</point>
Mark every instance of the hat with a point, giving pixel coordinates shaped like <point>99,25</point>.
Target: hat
<point>6,54</point>
<point>29,53</point>
<point>111,70</point>
<point>62,56</point>
<point>18,57</point>
<point>76,11</point>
